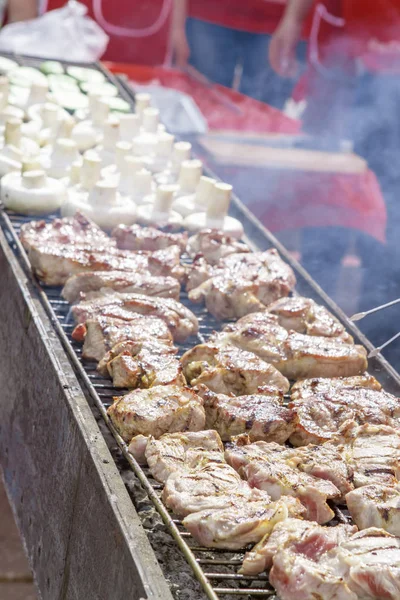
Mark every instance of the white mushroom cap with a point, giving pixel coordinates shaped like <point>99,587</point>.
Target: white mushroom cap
<point>32,192</point>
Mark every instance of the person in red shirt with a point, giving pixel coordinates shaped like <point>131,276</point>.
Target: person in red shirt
<point>221,37</point>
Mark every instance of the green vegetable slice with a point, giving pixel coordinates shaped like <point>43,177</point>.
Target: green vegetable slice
<point>102,89</point>
<point>63,82</point>
<point>7,65</point>
<point>70,100</point>
<point>25,76</point>
<point>118,105</point>
<point>86,74</point>
<point>52,67</point>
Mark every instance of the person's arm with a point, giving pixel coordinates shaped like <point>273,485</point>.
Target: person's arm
<point>179,41</point>
<point>21,10</point>
<point>282,49</point>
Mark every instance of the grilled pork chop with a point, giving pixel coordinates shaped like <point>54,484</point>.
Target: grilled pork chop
<point>302,537</point>
<point>173,452</point>
<point>372,452</point>
<point>213,245</point>
<point>307,388</point>
<point>119,281</point>
<point>142,364</point>
<point>135,237</point>
<point>158,410</point>
<point>102,334</point>
<point>319,416</point>
<point>240,523</point>
<point>242,283</point>
<point>229,370</point>
<point>268,466</point>
<point>295,355</point>
<point>306,316</point>
<point>261,416</point>
<point>375,506</point>
<point>180,320</point>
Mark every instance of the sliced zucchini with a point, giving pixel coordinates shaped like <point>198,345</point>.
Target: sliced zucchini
<point>102,89</point>
<point>52,67</point>
<point>118,105</point>
<point>25,76</point>
<point>86,74</point>
<point>62,82</point>
<point>71,100</point>
<point>7,65</point>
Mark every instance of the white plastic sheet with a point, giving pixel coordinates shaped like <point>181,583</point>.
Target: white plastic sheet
<point>62,34</point>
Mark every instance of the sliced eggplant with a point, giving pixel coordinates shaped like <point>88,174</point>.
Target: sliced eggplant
<point>71,100</point>
<point>7,65</point>
<point>86,74</point>
<point>100,89</point>
<point>25,76</point>
<point>118,105</point>
<point>63,83</point>
<point>52,67</point>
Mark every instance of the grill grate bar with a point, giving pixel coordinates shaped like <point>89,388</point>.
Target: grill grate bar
<point>244,591</point>
<point>236,576</point>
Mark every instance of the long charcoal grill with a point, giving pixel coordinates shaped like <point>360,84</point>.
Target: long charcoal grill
<point>217,570</point>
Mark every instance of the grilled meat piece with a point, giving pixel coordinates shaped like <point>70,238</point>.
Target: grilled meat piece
<point>142,364</point>
<point>106,303</point>
<point>197,273</point>
<point>267,466</point>
<point>207,486</point>
<point>136,283</point>
<point>230,370</point>
<point>135,237</point>
<point>76,230</point>
<point>306,388</point>
<point>213,245</point>
<point>370,563</point>
<point>262,416</point>
<point>372,451</point>
<point>101,334</point>
<point>306,316</point>
<point>173,452</point>
<point>242,283</point>
<point>375,506</point>
<point>295,355</point>
<point>302,537</point>
<point>158,410</point>
<point>238,524</point>
<point>319,417</point>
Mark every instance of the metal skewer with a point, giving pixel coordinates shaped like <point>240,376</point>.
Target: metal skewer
<point>378,350</point>
<point>361,315</point>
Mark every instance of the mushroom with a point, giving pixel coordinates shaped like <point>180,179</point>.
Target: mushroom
<point>122,150</point>
<point>129,126</point>
<point>83,177</point>
<point>5,106</point>
<point>106,150</point>
<point>216,216</point>
<point>142,101</point>
<point>159,213</point>
<point>197,202</point>
<point>189,177</point>
<point>58,164</point>
<point>13,137</point>
<point>32,193</point>
<point>162,153</point>
<point>180,153</point>
<point>135,181</point>
<point>89,132</point>
<point>106,207</point>
<point>144,144</point>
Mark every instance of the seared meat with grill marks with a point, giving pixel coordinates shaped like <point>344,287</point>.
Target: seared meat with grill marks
<point>375,506</point>
<point>142,364</point>
<point>158,410</point>
<point>319,416</point>
<point>306,316</point>
<point>230,370</point>
<point>76,230</point>
<point>135,237</point>
<point>136,283</point>
<point>372,451</point>
<point>241,283</point>
<point>174,452</point>
<point>307,388</point>
<point>370,563</point>
<point>267,466</point>
<point>302,537</point>
<point>213,245</point>
<point>180,320</point>
<point>262,416</point>
<point>101,334</point>
<point>207,486</point>
<point>239,523</point>
<point>295,355</point>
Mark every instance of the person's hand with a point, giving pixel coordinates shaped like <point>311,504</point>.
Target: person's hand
<point>180,48</point>
<point>282,49</point>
